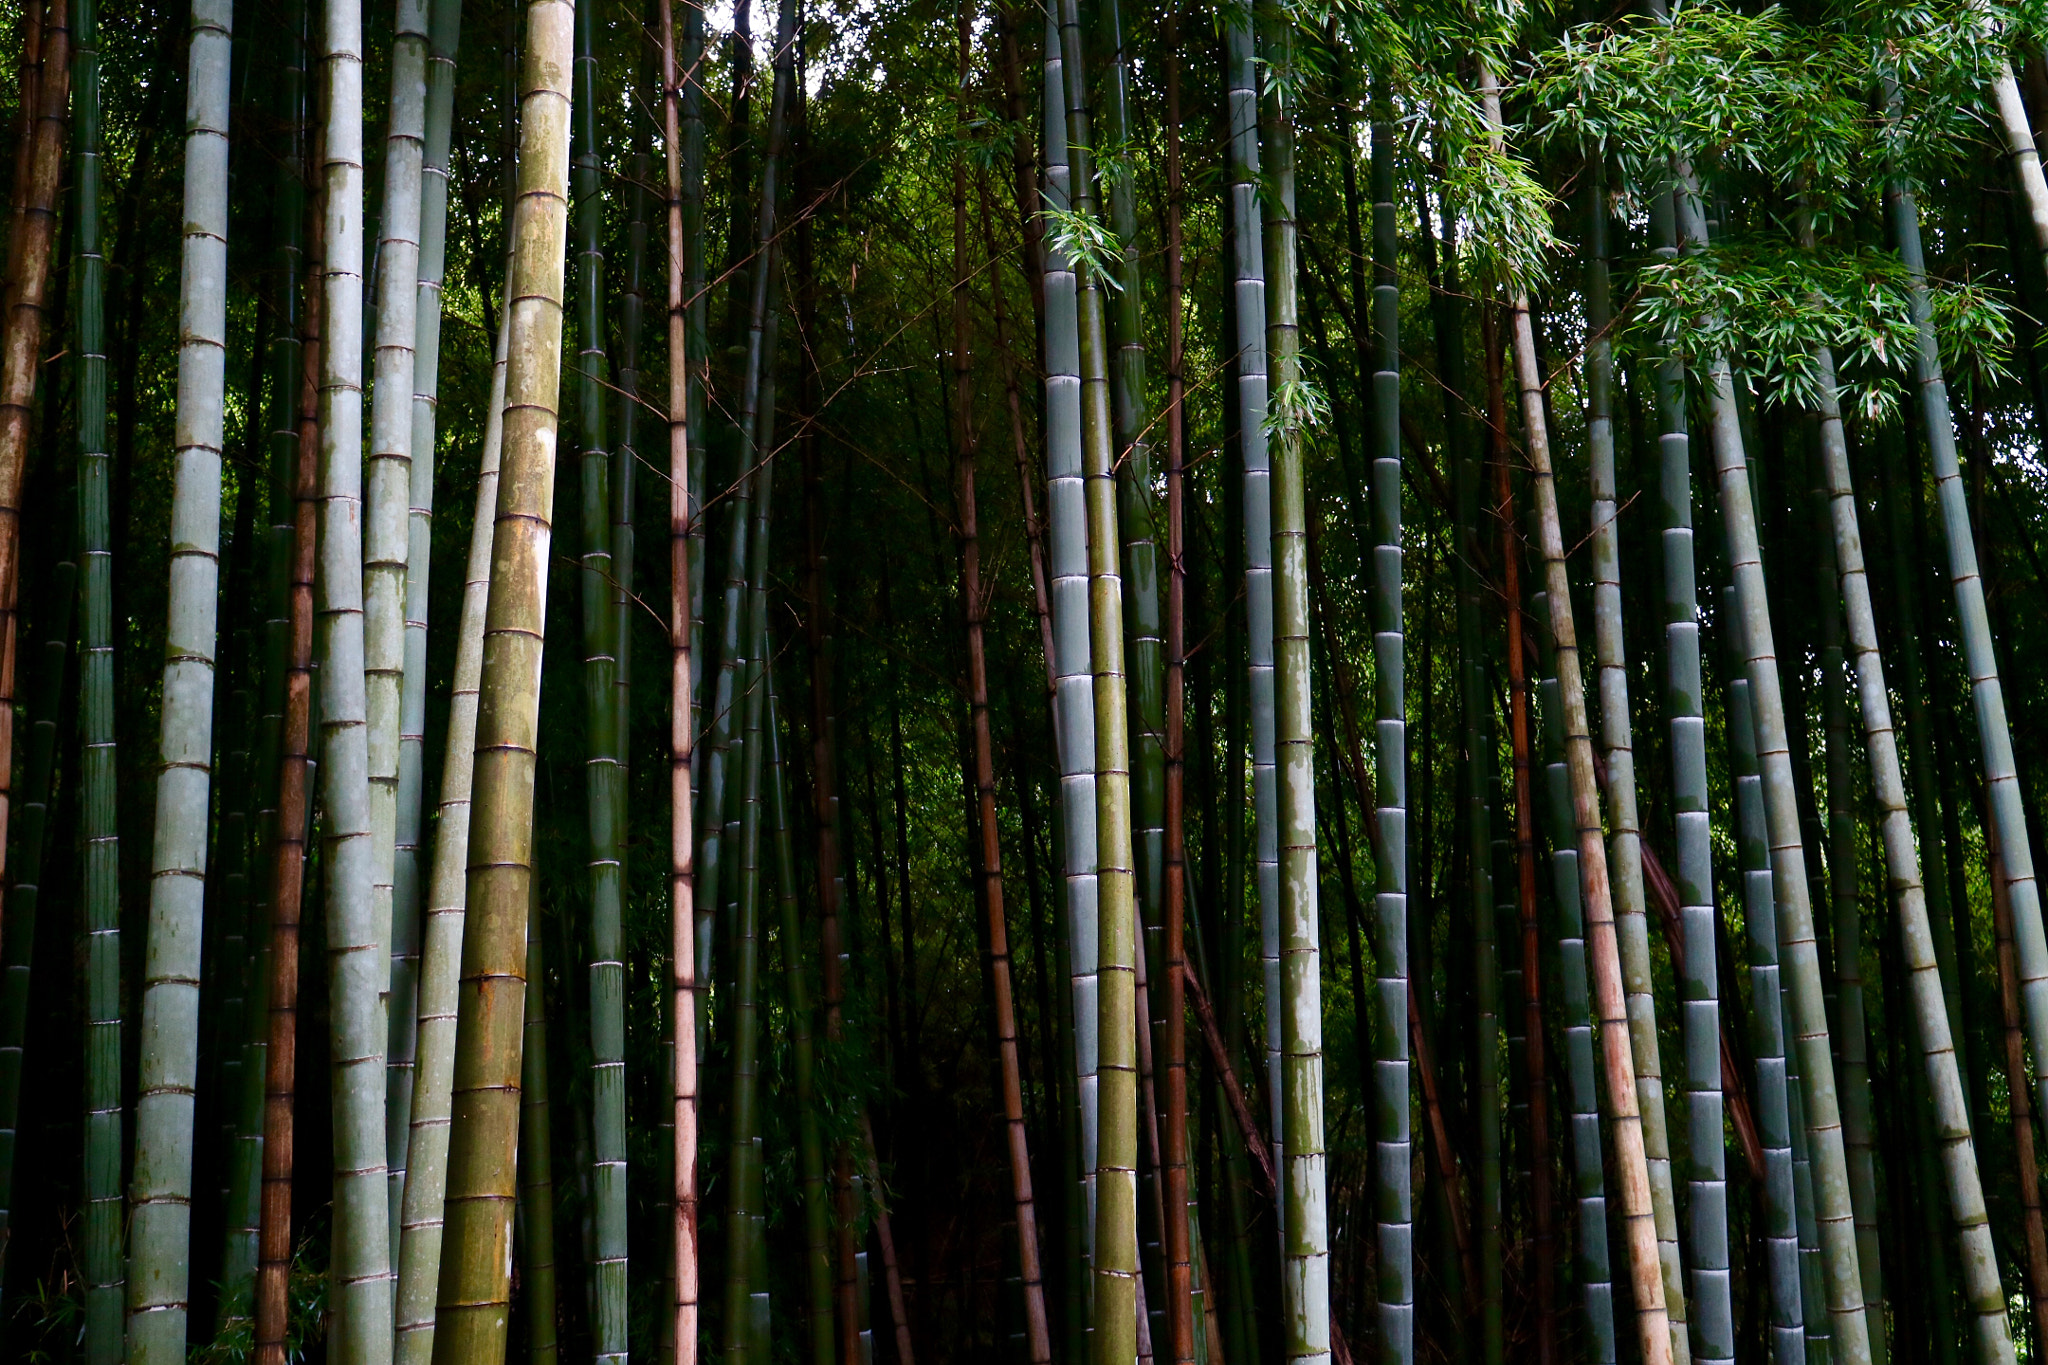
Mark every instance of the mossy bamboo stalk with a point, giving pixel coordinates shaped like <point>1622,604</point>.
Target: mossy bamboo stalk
<point>167,1081</point>
<point>408,922</point>
<point>1066,539</point>
<point>1982,1291</point>
<point>423,1218</point>
<point>294,811</point>
<point>1304,1226</point>
<point>2022,1105</point>
<point>475,1291</point>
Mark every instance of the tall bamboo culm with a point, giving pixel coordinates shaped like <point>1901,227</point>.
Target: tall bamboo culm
<point>683,538</point>
<point>1707,1178</point>
<point>409,899</point>
<point>422,1219</point>
<point>1631,1164</point>
<point>475,1283</point>
<point>387,544</point>
<point>1983,1294</point>
<point>160,1231</point>
<point>1074,721</point>
<point>603,770</point>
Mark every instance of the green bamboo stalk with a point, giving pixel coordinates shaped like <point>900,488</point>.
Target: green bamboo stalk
<point>105,1292</point>
<point>1767,1030</point>
<point>1707,1156</point>
<point>742,1287</point>
<point>475,1288</point>
<point>1617,748</point>
<point>1812,1275</point>
<point>1477,776</point>
<point>536,1154</point>
<point>1987,694</point>
<point>1982,1290</point>
<point>160,1234</point>
<point>1304,1224</point>
<point>387,545</point>
<point>1117,1295</point>
<point>408,929</point>
<point>1858,1129</point>
<point>1390,769</point>
<point>1137,509</point>
<point>1074,726</point>
<point>1595,1274</point>
<point>817,1204</point>
<point>603,771</point>
<point>358,960</point>
<point>1808,1017</point>
<point>422,1222</point>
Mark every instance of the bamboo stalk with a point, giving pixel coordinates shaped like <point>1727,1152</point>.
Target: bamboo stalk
<point>536,1154</point>
<point>475,1290</point>
<point>1037,1331</point>
<point>167,1082</point>
<point>294,813</point>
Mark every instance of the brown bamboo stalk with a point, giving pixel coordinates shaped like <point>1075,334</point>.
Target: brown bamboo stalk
<point>1180,1269</point>
<point>288,848</point>
<point>1037,1332</point>
<point>2018,1087</point>
<point>21,348</point>
<point>682,837</point>
<point>25,142</point>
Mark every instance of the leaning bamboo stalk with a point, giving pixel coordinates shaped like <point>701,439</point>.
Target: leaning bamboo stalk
<point>167,1082</point>
<point>1631,1160</point>
<point>475,1288</point>
<point>288,843</point>
<point>682,984</point>
<point>1983,1294</point>
<point>32,237</point>
<point>422,1219</point>
<point>408,922</point>
<point>1987,693</point>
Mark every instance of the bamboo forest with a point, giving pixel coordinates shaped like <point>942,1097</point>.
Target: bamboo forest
<point>820,682</point>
